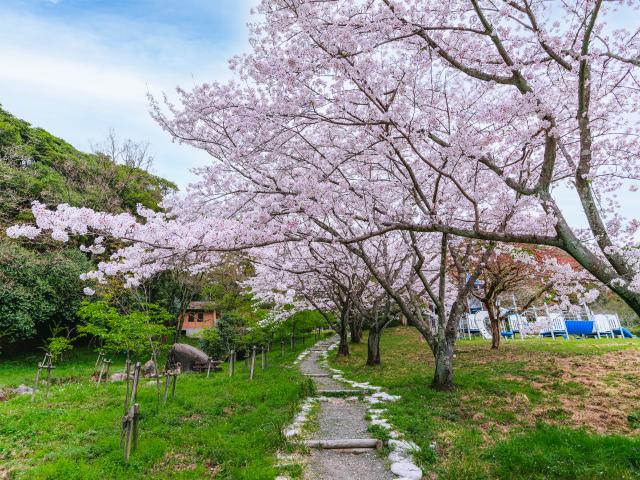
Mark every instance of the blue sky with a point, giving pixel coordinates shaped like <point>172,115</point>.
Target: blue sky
<point>80,67</point>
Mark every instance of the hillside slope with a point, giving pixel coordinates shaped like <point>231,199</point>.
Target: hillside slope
<point>40,288</point>
<point>35,165</point>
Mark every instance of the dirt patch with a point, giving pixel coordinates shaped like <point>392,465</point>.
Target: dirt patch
<point>611,382</point>
<point>179,461</point>
<point>599,392</point>
<point>196,418</point>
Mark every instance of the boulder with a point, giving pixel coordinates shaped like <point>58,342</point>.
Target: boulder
<point>120,376</point>
<point>23,390</point>
<point>186,355</point>
<point>149,369</point>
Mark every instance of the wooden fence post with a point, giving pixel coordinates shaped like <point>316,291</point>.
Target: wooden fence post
<point>282,347</point>
<point>166,386</point>
<point>176,372</point>
<point>253,362</point>
<point>104,371</point>
<point>232,362</point>
<point>48,380</point>
<point>46,363</point>
<point>136,418</point>
<point>130,423</point>
<point>98,361</point>
<point>154,357</point>
<point>128,414</point>
<point>263,358</point>
<point>35,383</point>
<point>127,372</point>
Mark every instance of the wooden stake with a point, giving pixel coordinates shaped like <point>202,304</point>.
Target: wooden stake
<point>136,417</point>
<point>35,384</point>
<point>46,363</point>
<point>232,362</point>
<point>136,380</point>
<point>166,387</point>
<point>127,371</point>
<point>127,440</point>
<point>104,371</point>
<point>253,362</point>
<point>98,361</point>
<point>106,375</point>
<point>46,391</point>
<point>263,358</point>
<point>130,425</point>
<point>155,366</point>
<point>130,414</point>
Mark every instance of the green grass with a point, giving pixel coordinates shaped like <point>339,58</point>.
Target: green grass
<point>511,415</point>
<point>220,427</point>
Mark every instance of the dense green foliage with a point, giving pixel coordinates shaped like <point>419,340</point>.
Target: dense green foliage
<point>227,336</point>
<point>135,332</point>
<point>39,285</point>
<point>38,290</point>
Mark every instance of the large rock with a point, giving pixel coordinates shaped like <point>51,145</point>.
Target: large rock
<point>149,369</point>
<point>186,355</point>
<point>23,390</point>
<point>119,377</point>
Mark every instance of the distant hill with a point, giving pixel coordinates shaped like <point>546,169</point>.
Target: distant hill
<point>35,165</point>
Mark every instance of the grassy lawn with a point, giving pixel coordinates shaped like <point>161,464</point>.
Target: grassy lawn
<point>537,409</point>
<point>221,427</point>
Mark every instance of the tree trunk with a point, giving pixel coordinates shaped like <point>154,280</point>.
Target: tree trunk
<point>343,347</point>
<point>355,325</point>
<point>443,375</point>
<point>495,334</point>
<point>373,347</point>
<point>494,322</point>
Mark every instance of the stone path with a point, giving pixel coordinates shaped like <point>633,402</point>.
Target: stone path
<point>339,418</point>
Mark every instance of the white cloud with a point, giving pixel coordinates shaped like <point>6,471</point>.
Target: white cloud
<point>79,80</point>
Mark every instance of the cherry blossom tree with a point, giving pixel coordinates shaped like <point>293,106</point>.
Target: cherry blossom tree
<point>422,120</point>
<point>530,275</point>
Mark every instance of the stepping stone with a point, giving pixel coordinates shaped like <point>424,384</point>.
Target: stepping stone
<point>406,469</point>
<point>345,443</point>
<point>316,374</point>
<point>340,393</point>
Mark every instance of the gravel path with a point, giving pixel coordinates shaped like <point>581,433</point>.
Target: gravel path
<point>340,418</point>
<point>311,365</point>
